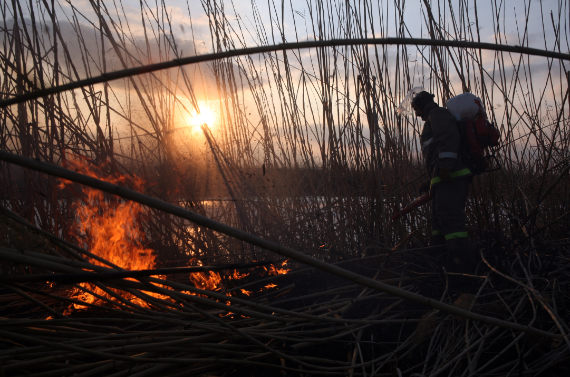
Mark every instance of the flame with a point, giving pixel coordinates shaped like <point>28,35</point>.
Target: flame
<point>213,281</point>
<point>210,281</point>
<point>108,228</point>
<point>273,271</point>
<point>238,275</point>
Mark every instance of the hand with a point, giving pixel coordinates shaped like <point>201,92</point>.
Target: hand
<point>444,174</point>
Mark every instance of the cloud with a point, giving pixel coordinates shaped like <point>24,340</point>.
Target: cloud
<point>84,53</point>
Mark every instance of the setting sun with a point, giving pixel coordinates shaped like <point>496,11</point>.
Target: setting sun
<point>206,116</point>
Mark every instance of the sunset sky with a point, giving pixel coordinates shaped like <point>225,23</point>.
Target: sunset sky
<point>148,33</point>
<point>254,19</point>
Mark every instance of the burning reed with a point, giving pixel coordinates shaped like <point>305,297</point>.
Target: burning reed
<point>309,322</point>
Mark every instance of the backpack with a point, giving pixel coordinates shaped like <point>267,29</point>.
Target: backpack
<point>478,135</point>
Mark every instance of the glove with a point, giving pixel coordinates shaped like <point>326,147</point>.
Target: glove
<point>444,174</point>
<point>424,187</point>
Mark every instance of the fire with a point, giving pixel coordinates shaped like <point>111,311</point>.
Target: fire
<point>210,281</point>
<point>214,281</point>
<point>112,233</point>
<point>238,275</point>
<point>272,270</point>
<point>108,228</point>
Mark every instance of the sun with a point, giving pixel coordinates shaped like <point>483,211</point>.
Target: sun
<point>207,116</point>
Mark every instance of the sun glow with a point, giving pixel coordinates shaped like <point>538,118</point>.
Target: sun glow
<point>207,116</point>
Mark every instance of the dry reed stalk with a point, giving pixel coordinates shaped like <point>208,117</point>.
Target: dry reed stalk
<point>266,244</point>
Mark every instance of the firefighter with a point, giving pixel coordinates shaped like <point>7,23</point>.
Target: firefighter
<point>449,180</point>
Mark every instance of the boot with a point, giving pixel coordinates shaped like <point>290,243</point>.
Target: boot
<point>461,256</point>
<point>462,259</point>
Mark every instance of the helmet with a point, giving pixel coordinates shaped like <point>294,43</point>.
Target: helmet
<point>421,99</point>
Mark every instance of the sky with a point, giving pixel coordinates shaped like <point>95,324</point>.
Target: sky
<point>256,22</point>
<point>148,30</point>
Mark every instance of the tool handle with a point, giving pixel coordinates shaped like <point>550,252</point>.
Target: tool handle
<point>420,200</point>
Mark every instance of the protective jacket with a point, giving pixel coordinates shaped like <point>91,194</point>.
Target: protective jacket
<point>441,143</point>
<point>441,148</point>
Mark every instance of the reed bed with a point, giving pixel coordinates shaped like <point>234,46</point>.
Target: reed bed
<point>314,125</point>
<point>312,323</point>
<point>309,152</point>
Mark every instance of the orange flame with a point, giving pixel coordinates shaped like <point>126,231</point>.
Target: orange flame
<point>108,228</point>
<point>273,271</point>
<point>239,275</point>
<point>208,281</point>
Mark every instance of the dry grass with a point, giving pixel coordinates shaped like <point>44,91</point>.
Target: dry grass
<point>311,153</point>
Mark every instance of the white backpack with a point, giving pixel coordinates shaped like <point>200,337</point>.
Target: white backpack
<point>465,106</point>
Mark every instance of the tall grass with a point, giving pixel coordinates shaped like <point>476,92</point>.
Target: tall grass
<point>310,149</point>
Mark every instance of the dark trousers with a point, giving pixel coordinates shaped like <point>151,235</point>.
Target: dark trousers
<point>448,208</point>
<point>449,224</point>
